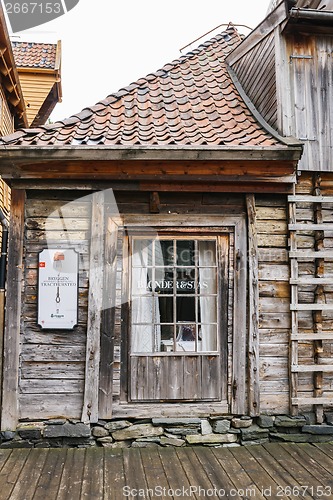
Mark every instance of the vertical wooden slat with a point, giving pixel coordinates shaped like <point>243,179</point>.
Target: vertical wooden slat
<point>253,345</point>
<point>125,325</point>
<point>192,377</point>
<point>9,415</point>
<point>95,304</point>
<point>239,405</point>
<point>223,247</point>
<point>176,378</point>
<point>211,377</point>
<point>108,320</point>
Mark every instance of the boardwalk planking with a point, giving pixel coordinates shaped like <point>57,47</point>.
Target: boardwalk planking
<point>298,452</point>
<point>153,468</point>
<point>213,469</point>
<point>11,471</point>
<point>30,474</point>
<point>274,469</point>
<point>71,479</point>
<point>50,477</point>
<point>236,472</point>
<point>257,473</point>
<point>114,474</point>
<point>173,469</point>
<point>195,473</point>
<point>299,472</point>
<point>102,473</point>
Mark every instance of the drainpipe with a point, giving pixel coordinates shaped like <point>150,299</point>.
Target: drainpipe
<point>3,265</point>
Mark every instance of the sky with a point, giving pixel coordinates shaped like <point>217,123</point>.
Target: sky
<point>107,45</point>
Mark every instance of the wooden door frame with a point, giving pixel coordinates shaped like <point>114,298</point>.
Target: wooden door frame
<point>210,224</point>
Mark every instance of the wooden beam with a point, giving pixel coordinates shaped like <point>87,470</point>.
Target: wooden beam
<point>154,203</point>
<point>238,387</point>
<point>311,368</point>
<point>311,199</point>
<point>108,321</point>
<point>10,411</point>
<point>95,304</point>
<point>253,345</point>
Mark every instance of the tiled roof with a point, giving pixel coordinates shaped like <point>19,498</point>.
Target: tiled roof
<point>34,55</point>
<point>191,101</point>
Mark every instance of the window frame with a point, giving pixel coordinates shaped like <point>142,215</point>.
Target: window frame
<point>195,224</point>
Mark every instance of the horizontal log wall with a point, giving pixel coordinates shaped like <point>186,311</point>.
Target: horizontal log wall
<point>274,303</point>
<point>52,363</point>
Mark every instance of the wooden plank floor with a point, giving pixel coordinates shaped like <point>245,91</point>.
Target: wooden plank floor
<point>272,471</point>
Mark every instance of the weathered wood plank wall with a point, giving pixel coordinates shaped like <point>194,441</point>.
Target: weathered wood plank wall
<point>52,363</point>
<point>260,83</point>
<point>308,69</point>
<point>274,302</point>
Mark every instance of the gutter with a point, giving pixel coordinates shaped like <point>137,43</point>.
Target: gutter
<point>311,14</point>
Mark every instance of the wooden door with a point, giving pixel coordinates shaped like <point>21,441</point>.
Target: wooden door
<point>178,317</point>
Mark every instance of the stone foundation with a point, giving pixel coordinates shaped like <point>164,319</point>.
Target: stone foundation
<point>223,431</point>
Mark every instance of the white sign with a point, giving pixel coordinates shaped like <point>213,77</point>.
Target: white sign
<point>58,288</point>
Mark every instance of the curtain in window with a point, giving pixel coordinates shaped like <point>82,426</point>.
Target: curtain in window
<point>146,335</point>
<point>208,294</point>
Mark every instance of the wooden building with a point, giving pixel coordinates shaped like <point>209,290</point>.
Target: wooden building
<point>203,281</point>
<point>39,70</point>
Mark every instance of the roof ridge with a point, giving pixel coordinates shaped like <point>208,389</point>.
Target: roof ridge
<point>173,64</point>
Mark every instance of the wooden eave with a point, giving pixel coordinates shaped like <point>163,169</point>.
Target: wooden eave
<point>149,169</point>
<point>9,76</point>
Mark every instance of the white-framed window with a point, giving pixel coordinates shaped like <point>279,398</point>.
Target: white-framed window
<point>175,294</point>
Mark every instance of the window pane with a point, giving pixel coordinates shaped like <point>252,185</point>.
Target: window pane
<point>208,309</point>
<point>185,253</point>
<point>165,253</point>
<point>207,338</point>
<point>207,253</point>
<point>207,280</point>
<point>143,310</point>
<point>166,309</point>
<point>186,334</point>
<point>185,309</point>
<point>145,338</point>
<point>142,253</point>
<point>167,343</point>
<point>164,280</point>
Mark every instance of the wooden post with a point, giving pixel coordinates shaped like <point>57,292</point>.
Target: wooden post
<point>10,410</point>
<point>108,321</point>
<point>238,406</point>
<point>293,347</point>
<point>319,298</point>
<point>95,305</point>
<point>253,346</point>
